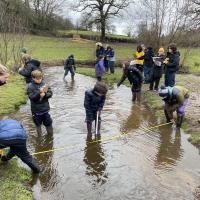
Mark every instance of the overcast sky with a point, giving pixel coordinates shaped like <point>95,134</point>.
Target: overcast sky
<point>120,23</point>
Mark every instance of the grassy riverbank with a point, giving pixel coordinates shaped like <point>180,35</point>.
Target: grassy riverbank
<point>12,177</point>
<point>12,94</point>
<point>12,180</point>
<point>54,48</point>
<point>191,124</point>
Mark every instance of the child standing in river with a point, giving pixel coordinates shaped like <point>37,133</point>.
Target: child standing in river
<point>93,103</point>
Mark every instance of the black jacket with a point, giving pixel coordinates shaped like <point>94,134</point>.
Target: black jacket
<point>70,62</point>
<point>158,69</point>
<point>173,62</point>
<point>93,102</point>
<point>28,68</point>
<point>38,104</point>
<point>148,58</point>
<point>133,74</point>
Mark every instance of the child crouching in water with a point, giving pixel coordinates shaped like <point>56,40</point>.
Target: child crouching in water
<point>93,103</point>
<point>39,94</point>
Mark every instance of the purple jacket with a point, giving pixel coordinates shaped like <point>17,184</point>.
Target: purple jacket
<point>99,68</point>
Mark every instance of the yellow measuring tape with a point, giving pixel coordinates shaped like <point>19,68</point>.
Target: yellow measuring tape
<point>96,141</point>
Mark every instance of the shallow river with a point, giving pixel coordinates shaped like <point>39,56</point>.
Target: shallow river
<point>145,164</point>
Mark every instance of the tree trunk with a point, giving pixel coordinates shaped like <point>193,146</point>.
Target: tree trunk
<point>103,30</point>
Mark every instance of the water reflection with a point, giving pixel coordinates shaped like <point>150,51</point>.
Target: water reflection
<point>48,176</point>
<point>133,121</point>
<point>170,150</point>
<point>95,161</point>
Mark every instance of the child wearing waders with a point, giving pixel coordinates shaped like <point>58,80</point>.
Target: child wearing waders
<point>13,135</point>
<point>99,68</point>
<point>135,78</point>
<point>39,94</point>
<point>70,66</point>
<point>93,103</point>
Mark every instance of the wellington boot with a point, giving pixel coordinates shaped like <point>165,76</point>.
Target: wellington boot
<point>138,94</point>
<point>134,97</point>
<point>179,121</point>
<point>39,130</point>
<point>167,116</point>
<point>49,129</point>
<point>89,128</point>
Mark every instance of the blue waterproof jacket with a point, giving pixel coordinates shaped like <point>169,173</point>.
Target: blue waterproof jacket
<point>93,102</point>
<point>11,130</point>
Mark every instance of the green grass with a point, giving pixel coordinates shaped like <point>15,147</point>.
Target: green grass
<point>13,179</point>
<point>12,94</point>
<point>194,138</point>
<point>111,78</point>
<point>93,33</point>
<point>50,48</point>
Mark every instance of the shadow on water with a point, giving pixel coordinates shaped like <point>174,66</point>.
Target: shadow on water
<point>143,164</point>
<point>170,150</point>
<point>95,161</point>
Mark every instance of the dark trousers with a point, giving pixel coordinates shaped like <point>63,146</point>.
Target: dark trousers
<point>111,66</point>
<point>69,69</point>
<point>170,79</point>
<point>99,78</point>
<point>147,74</point>
<point>18,148</point>
<point>155,81</point>
<point>42,119</point>
<point>106,65</point>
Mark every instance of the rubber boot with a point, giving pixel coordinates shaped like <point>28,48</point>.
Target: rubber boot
<point>72,76</point>
<point>39,129</point>
<point>138,96</point>
<point>49,129</point>
<point>89,128</point>
<point>167,116</point>
<point>134,97</point>
<point>179,121</point>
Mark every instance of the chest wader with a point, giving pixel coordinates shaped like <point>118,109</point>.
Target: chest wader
<point>168,112</point>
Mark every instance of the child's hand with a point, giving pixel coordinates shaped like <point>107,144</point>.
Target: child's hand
<point>42,94</point>
<point>45,88</point>
<point>165,61</point>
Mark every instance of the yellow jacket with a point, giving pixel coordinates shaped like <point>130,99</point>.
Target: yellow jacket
<point>138,55</point>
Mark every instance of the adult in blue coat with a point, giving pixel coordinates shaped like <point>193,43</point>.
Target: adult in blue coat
<point>13,135</point>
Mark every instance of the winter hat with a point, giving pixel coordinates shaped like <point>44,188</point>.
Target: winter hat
<point>24,50</point>
<point>101,88</point>
<point>99,44</point>
<point>161,50</point>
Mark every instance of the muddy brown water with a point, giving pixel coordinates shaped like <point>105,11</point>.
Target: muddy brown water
<point>145,164</point>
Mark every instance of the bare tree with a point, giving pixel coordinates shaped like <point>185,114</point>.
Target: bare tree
<point>160,18</point>
<point>100,11</point>
<point>12,32</point>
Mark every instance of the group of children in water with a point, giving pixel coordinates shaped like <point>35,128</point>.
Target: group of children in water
<point>14,136</point>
